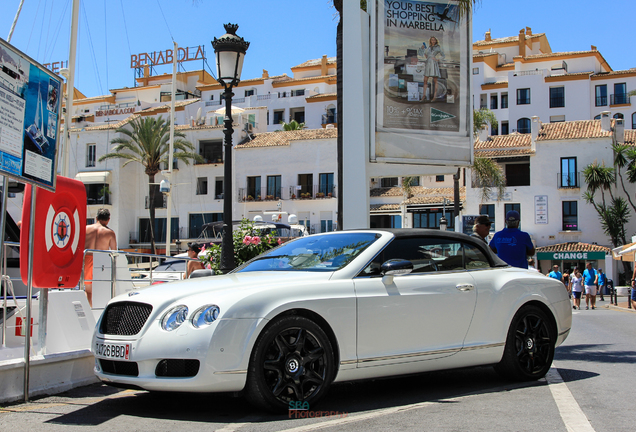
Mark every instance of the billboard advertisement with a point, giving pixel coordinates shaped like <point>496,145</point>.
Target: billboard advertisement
<point>30,105</point>
<point>423,59</point>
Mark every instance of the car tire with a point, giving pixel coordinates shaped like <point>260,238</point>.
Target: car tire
<point>292,363</point>
<point>529,348</point>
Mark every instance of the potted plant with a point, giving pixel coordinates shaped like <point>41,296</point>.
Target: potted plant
<point>320,195</point>
<point>250,198</point>
<point>269,197</point>
<point>293,196</point>
<point>329,195</point>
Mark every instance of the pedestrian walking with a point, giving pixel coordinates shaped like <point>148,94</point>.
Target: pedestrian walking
<point>555,273</point>
<point>602,283</point>
<point>511,244</point>
<point>590,281</point>
<point>566,282</point>
<point>576,288</point>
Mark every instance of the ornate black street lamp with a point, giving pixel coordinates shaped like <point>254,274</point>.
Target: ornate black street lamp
<point>230,51</point>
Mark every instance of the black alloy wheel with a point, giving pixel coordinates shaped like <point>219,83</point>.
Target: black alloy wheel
<point>529,349</point>
<point>292,361</point>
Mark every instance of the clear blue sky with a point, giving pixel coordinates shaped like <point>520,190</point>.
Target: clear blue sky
<point>282,33</point>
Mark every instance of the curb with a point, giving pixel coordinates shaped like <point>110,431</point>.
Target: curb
<point>619,308</point>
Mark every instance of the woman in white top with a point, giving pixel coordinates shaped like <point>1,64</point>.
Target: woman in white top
<point>576,288</point>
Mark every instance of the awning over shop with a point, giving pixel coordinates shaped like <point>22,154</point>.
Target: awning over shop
<point>572,251</point>
<point>625,253</point>
<point>93,177</point>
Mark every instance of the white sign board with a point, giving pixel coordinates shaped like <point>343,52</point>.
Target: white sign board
<point>423,113</point>
<point>541,209</point>
<point>30,98</point>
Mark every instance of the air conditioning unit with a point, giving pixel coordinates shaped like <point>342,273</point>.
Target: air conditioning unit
<point>248,127</point>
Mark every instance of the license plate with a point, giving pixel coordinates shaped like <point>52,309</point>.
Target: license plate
<point>119,351</point>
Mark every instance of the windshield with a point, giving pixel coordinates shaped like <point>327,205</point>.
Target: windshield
<point>314,253</point>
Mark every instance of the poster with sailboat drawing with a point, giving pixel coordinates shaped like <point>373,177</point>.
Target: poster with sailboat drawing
<point>29,118</point>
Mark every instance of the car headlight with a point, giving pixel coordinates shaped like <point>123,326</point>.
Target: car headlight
<point>174,318</point>
<point>205,315</point>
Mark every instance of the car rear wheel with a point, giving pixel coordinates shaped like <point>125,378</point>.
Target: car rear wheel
<point>529,349</point>
<point>292,362</point>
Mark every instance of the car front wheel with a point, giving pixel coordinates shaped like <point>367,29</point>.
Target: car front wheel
<point>529,346</point>
<point>292,362</point>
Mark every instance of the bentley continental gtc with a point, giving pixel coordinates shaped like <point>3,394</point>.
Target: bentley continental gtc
<point>335,307</point>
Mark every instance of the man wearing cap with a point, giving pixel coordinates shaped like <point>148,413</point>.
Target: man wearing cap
<point>481,229</point>
<point>511,244</point>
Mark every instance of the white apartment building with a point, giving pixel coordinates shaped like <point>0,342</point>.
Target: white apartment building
<point>545,184</point>
<point>519,77</point>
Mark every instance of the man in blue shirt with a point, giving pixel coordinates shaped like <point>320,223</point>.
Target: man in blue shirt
<point>555,273</point>
<point>590,279</point>
<point>511,244</point>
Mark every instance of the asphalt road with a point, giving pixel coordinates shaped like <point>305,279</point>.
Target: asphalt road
<point>590,388</point>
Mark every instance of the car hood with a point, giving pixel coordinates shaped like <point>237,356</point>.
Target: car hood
<point>223,290</point>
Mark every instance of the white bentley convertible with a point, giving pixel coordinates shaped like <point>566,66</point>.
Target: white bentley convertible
<point>335,307</point>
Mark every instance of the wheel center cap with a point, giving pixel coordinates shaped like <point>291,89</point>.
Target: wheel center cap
<point>292,365</point>
<point>529,344</point>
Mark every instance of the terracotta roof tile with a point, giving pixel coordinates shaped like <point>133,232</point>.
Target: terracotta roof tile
<point>284,138</point>
<point>381,207</point>
<point>504,153</point>
<point>424,195</point>
<point>559,54</point>
<point>177,104</point>
<point>505,39</point>
<point>574,247</point>
<point>316,62</point>
<point>322,95</point>
<point>504,141</point>
<point>630,137</point>
<point>108,126</point>
<point>572,130</point>
<point>618,72</point>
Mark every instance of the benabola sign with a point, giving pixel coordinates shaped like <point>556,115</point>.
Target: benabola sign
<point>157,58</point>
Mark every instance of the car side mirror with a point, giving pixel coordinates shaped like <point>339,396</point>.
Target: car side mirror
<point>397,266</point>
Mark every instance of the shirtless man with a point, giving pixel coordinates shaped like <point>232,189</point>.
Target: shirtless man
<point>98,236</point>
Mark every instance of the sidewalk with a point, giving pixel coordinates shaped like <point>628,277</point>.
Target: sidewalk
<point>622,305</point>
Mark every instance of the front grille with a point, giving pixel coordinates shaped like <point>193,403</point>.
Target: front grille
<point>177,368</point>
<point>125,318</point>
<point>115,367</point>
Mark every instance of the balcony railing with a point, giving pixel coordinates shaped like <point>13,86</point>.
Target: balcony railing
<point>601,101</point>
<point>557,102</point>
<point>329,118</point>
<point>619,98</point>
<point>285,193</point>
<point>212,103</point>
<point>570,180</point>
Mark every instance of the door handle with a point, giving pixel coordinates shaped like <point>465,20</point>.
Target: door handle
<point>465,287</point>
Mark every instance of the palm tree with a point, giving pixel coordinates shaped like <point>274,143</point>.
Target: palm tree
<point>625,156</point>
<point>599,177</point>
<point>613,217</point>
<point>291,126</point>
<point>147,143</point>
<point>481,118</point>
<point>488,175</point>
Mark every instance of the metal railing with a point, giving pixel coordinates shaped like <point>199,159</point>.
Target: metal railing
<point>601,101</point>
<point>619,99</point>
<point>569,180</point>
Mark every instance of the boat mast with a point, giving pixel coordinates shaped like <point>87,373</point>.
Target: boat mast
<point>70,86</point>
<point>15,21</point>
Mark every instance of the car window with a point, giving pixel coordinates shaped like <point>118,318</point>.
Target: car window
<point>426,254</point>
<point>474,257</point>
<point>327,252</point>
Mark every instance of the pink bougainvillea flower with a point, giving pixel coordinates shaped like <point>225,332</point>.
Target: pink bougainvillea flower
<point>247,240</point>
<point>280,241</point>
<point>208,266</point>
<point>256,240</point>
